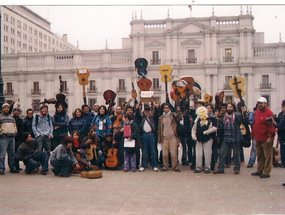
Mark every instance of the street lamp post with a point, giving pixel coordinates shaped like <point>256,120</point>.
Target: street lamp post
<point>2,98</point>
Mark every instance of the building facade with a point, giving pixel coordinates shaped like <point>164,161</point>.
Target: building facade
<point>210,49</point>
<point>24,31</point>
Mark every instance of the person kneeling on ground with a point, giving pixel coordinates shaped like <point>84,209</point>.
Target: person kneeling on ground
<point>63,159</point>
<point>32,158</point>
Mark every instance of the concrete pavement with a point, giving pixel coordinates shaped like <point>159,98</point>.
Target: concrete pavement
<point>145,192</point>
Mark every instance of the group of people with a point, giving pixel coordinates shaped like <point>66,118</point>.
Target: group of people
<point>141,135</point>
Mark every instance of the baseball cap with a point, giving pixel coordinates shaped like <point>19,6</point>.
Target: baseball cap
<point>262,99</point>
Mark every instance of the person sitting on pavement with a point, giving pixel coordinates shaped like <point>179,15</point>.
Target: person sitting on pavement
<point>62,158</point>
<point>32,158</point>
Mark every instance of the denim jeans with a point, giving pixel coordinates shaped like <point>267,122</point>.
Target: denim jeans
<point>130,159</point>
<point>223,153</point>
<point>36,160</point>
<point>44,142</point>
<point>62,167</point>
<point>7,144</point>
<point>149,145</point>
<point>252,157</point>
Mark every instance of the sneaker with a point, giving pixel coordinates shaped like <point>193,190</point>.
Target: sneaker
<point>249,166</point>
<point>264,176</point>
<point>155,169</point>
<point>14,171</point>
<point>283,184</point>
<point>197,171</point>
<point>134,170</point>
<point>141,169</point>
<point>55,172</point>
<point>256,173</point>
<point>126,170</point>
<point>2,173</point>
<point>207,170</point>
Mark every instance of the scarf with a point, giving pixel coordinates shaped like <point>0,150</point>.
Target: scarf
<point>229,118</point>
<point>166,114</point>
<point>76,143</point>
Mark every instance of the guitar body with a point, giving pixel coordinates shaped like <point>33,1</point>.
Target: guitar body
<point>90,152</point>
<point>165,72</point>
<point>83,75</point>
<point>237,85</point>
<point>208,98</point>
<point>109,97</point>
<point>144,84</point>
<point>178,87</point>
<point>112,160</point>
<point>189,87</point>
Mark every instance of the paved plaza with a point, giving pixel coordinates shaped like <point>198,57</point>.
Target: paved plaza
<point>146,193</point>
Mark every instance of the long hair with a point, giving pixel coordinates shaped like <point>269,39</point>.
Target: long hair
<point>74,113</point>
<point>104,107</point>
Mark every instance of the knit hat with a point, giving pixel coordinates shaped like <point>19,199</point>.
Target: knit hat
<point>5,104</point>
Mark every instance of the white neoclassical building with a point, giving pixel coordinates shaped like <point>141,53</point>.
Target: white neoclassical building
<point>210,49</point>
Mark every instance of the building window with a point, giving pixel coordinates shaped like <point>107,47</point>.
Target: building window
<point>9,90</point>
<point>227,83</point>
<point>24,46</point>
<point>6,39</point>
<point>155,84</point>
<point>30,30</point>
<point>6,17</point>
<point>191,57</point>
<point>12,31</point>
<point>12,20</point>
<point>25,36</point>
<point>35,32</point>
<point>25,26</point>
<point>92,86</point>
<point>122,87</point>
<point>92,102</point>
<point>265,82</point>
<point>64,88</point>
<point>19,34</point>
<point>36,106</point>
<point>228,55</point>
<point>19,24</point>
<point>121,101</point>
<point>155,58</point>
<point>19,44</point>
<point>40,35</point>
<point>6,28</point>
<point>12,41</point>
<point>36,88</point>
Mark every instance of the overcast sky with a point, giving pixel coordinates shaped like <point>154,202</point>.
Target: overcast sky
<point>92,25</point>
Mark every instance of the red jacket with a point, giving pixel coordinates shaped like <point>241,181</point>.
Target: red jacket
<point>262,129</point>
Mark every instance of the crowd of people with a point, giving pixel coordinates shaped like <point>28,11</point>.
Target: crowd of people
<point>132,138</point>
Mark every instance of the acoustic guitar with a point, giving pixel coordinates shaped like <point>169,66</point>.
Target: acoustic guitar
<point>134,92</point>
<point>237,85</point>
<point>208,98</point>
<point>112,160</point>
<point>189,87</point>
<point>219,97</point>
<point>178,87</point>
<point>144,84</point>
<point>83,75</point>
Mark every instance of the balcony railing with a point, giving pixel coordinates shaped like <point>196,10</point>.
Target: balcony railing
<point>265,86</point>
<point>121,89</point>
<point>92,90</point>
<point>157,88</point>
<point>228,59</point>
<point>9,92</point>
<point>155,61</point>
<point>191,60</point>
<point>35,91</point>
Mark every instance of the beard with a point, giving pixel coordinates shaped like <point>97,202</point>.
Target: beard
<point>230,112</point>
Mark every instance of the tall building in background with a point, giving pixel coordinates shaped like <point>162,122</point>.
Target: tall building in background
<point>24,31</point>
<point>210,49</point>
